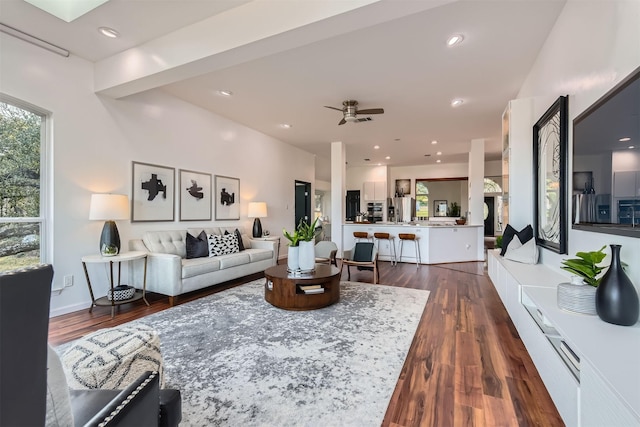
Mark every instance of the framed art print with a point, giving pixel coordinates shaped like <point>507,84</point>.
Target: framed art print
<point>152,193</point>
<point>227,197</point>
<point>550,169</point>
<point>403,187</point>
<point>195,196</point>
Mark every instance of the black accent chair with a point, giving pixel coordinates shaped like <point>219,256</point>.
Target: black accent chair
<point>24,322</point>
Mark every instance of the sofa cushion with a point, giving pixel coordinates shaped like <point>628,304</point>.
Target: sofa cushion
<point>259,254</point>
<point>222,244</point>
<point>197,266</point>
<point>233,260</point>
<point>197,247</point>
<point>166,242</point>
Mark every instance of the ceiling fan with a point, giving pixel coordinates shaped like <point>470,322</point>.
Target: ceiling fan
<point>350,112</point>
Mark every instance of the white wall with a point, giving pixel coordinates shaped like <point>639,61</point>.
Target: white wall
<point>593,46</point>
<point>357,175</point>
<point>94,141</point>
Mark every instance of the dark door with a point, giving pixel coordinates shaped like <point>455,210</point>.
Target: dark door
<point>489,203</point>
<point>303,202</point>
<point>352,204</point>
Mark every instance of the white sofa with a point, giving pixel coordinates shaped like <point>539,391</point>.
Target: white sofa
<point>170,273</point>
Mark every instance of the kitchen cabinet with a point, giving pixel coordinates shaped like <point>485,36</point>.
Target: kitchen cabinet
<point>626,184</point>
<point>374,190</point>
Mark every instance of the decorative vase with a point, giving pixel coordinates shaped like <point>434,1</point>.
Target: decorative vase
<point>616,297</point>
<point>292,258</point>
<point>307,256</point>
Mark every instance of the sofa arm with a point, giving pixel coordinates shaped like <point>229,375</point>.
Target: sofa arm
<point>271,245</point>
<point>138,404</point>
<point>164,271</point>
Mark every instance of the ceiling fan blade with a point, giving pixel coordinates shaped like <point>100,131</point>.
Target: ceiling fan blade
<point>363,119</point>
<point>372,111</point>
<point>343,121</point>
<point>333,108</point>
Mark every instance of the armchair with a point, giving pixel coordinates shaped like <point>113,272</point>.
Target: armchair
<point>33,390</point>
<point>326,252</point>
<point>364,256</point>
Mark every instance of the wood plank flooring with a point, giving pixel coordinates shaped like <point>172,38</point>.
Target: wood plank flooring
<point>466,365</point>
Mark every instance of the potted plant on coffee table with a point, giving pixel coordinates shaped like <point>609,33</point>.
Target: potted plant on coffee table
<point>293,251</point>
<point>307,233</point>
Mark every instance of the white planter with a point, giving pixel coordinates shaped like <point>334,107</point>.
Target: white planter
<point>292,258</point>
<point>307,256</point>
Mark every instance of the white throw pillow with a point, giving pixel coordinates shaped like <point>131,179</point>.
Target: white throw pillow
<point>58,403</point>
<point>527,253</point>
<point>223,244</point>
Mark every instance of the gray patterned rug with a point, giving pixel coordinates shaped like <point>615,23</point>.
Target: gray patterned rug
<point>241,362</point>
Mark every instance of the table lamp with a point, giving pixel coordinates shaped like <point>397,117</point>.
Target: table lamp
<point>109,208</point>
<point>257,210</point>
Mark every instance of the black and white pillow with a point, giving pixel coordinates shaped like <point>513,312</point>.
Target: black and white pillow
<point>239,236</point>
<point>222,244</point>
<point>524,236</point>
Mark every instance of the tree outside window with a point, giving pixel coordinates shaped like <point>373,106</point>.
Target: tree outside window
<point>422,199</point>
<point>20,186</point>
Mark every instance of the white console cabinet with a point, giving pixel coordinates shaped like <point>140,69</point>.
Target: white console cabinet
<point>590,368</point>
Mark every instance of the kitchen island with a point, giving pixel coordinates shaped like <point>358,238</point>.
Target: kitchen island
<point>438,242</point>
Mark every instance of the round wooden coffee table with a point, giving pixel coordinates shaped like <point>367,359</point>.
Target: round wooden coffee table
<point>302,291</point>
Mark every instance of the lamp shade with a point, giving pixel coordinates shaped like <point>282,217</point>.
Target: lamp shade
<point>107,207</point>
<point>257,210</point>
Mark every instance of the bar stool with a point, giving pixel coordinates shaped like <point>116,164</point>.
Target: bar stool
<point>362,235</point>
<point>414,238</point>
<point>392,248</point>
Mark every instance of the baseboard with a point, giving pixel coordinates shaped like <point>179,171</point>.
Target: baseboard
<point>69,309</point>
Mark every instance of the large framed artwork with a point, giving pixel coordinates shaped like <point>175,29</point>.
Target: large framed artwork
<point>195,196</point>
<point>152,193</point>
<point>227,197</point>
<point>403,187</point>
<point>550,169</point>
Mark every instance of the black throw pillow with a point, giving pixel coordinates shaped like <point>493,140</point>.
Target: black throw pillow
<point>524,236</point>
<point>239,237</point>
<point>197,247</point>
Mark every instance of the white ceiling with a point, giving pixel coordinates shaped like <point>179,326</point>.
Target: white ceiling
<point>398,61</point>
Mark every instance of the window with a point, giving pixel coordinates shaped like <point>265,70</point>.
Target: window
<point>22,136</point>
<point>422,199</point>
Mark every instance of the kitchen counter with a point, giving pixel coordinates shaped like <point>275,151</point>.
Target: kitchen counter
<point>439,242</point>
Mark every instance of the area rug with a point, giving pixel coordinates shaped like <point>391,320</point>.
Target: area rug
<point>240,361</point>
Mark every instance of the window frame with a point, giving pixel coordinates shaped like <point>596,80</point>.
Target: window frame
<point>46,178</point>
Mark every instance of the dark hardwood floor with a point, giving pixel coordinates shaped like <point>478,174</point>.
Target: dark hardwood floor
<point>466,365</point>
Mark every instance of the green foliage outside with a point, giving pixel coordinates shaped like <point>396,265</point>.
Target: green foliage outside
<point>20,136</point>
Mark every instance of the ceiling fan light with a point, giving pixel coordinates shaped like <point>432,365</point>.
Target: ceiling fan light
<point>351,118</point>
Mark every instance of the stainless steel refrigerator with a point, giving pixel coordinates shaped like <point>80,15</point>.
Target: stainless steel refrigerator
<point>405,208</point>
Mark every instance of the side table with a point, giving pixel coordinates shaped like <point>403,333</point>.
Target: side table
<point>125,256</point>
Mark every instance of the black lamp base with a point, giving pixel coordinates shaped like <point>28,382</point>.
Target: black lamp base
<point>109,239</point>
<point>257,228</point>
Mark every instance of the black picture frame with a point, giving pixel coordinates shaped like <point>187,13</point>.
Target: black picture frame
<point>227,198</point>
<point>152,193</point>
<point>195,196</point>
<point>550,158</point>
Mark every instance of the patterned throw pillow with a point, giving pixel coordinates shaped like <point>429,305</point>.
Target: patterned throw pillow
<point>222,244</point>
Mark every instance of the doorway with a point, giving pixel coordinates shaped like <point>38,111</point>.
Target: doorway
<point>303,202</point>
<point>489,215</point>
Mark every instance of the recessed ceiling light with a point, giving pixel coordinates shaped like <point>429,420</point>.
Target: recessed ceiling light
<point>455,40</point>
<point>225,92</point>
<point>439,153</point>
<point>456,102</point>
<point>388,158</point>
<point>285,126</point>
<point>434,142</point>
<point>376,147</point>
<point>438,161</point>
<point>631,147</point>
<point>625,139</point>
<point>108,32</point>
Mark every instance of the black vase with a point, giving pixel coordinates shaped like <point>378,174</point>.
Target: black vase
<point>616,297</point>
